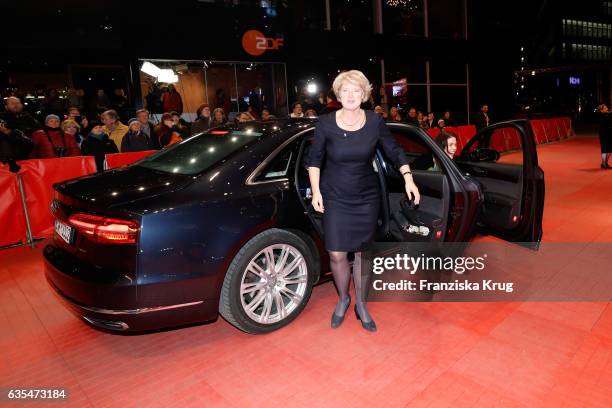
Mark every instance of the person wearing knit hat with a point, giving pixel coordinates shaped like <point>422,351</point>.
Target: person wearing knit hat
<point>50,117</point>
<point>98,144</point>
<point>51,142</point>
<point>135,140</point>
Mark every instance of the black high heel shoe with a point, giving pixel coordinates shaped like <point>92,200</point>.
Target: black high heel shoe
<point>369,326</point>
<point>336,320</point>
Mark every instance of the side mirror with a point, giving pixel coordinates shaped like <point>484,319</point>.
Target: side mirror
<point>484,154</point>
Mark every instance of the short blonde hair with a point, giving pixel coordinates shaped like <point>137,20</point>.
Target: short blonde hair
<point>354,77</point>
<point>68,122</point>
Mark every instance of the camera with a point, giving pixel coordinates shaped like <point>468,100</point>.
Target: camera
<point>60,152</point>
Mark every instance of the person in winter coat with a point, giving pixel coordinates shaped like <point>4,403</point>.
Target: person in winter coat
<point>98,144</point>
<point>219,118</point>
<point>72,128</point>
<point>605,135</point>
<point>147,126</point>
<point>449,119</point>
<point>172,101</point>
<point>203,122</point>
<point>16,127</point>
<point>169,132</point>
<point>481,119</point>
<point>135,140</point>
<point>113,126</point>
<point>120,103</point>
<point>15,118</point>
<point>51,141</point>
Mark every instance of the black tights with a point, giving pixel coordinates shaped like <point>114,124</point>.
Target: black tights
<point>342,275</point>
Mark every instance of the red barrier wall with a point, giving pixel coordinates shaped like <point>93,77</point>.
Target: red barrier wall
<point>538,130</point>
<point>552,133</point>
<point>38,179</point>
<point>465,133</point>
<point>433,132</point>
<point>121,159</point>
<point>12,219</point>
<point>513,138</point>
<point>544,130</point>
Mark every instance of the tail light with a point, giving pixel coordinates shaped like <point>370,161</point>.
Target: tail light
<point>105,230</point>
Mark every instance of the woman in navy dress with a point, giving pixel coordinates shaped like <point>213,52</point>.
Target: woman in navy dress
<point>346,190</point>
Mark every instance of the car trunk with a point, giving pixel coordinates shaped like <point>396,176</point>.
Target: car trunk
<point>78,256</point>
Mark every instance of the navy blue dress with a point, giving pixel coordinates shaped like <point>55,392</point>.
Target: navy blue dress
<point>348,184</point>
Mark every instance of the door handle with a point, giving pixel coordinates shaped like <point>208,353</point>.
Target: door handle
<point>479,171</point>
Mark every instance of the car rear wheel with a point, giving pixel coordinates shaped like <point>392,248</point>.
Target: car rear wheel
<point>268,283</point>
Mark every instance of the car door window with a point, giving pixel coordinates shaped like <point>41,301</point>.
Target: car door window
<point>499,145</point>
<point>419,155</point>
<point>279,166</point>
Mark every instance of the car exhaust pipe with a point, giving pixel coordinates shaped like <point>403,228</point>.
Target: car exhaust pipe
<point>106,324</point>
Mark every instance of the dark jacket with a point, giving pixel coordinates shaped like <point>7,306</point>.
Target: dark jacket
<point>150,132</point>
<point>98,147</point>
<point>21,121</point>
<point>480,120</point>
<point>154,103</point>
<point>14,146</point>
<point>50,143</point>
<point>605,132</point>
<point>450,122</point>
<point>202,124</point>
<point>100,104</point>
<point>135,142</point>
<point>430,124</point>
<point>120,104</point>
<point>411,121</point>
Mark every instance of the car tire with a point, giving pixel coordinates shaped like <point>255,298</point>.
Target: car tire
<point>259,299</point>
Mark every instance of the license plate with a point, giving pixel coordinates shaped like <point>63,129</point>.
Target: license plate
<point>65,231</point>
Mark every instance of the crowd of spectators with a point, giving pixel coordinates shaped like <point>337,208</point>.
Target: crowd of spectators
<point>62,130</point>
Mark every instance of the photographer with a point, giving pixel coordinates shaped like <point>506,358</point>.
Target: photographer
<point>14,145</point>
<point>52,142</point>
<point>15,128</point>
<point>16,119</point>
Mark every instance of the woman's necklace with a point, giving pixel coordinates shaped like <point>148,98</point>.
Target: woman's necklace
<point>360,121</point>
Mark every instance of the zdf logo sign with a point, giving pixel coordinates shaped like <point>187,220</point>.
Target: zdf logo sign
<point>255,43</point>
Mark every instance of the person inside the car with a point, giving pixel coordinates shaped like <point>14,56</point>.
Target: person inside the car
<point>447,140</point>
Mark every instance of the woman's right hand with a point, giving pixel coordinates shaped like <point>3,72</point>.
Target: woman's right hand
<point>317,202</point>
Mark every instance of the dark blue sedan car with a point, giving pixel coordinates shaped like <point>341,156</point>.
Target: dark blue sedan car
<point>221,223</point>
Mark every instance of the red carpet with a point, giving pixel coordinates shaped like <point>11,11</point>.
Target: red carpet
<point>424,354</point>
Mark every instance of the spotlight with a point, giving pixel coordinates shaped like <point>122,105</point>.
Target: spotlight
<point>168,76</point>
<point>150,69</point>
<point>311,88</point>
